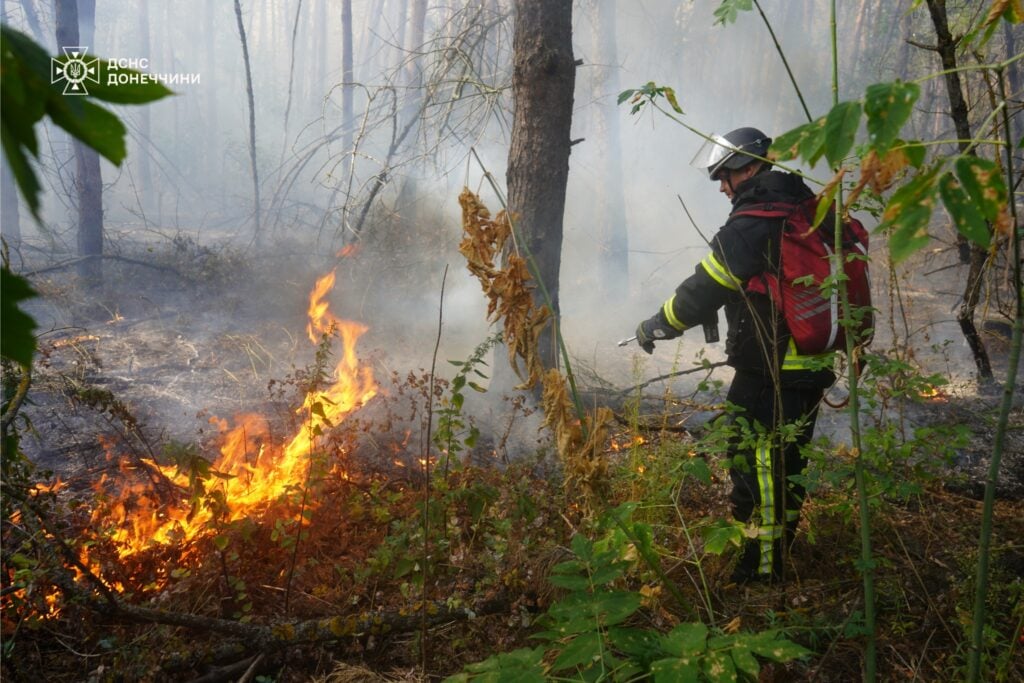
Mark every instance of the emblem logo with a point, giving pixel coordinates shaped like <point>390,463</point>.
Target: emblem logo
<point>75,69</point>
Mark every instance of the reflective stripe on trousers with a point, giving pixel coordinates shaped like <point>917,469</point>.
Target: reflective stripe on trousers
<point>769,530</point>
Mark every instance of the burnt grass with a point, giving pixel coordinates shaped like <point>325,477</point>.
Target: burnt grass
<point>145,367</point>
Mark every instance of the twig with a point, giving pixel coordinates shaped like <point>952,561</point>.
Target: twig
<point>424,655</point>
<point>785,63</point>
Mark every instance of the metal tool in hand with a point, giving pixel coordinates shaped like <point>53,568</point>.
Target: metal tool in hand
<point>624,342</point>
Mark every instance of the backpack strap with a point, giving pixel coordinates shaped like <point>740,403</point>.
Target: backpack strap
<point>766,210</point>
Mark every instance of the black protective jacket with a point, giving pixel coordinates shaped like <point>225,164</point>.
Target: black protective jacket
<point>757,340</point>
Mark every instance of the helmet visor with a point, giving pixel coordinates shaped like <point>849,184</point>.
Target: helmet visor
<point>712,153</point>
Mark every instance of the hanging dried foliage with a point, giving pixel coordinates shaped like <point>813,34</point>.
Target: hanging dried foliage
<point>581,450</point>
<point>510,301</point>
<point>508,292</point>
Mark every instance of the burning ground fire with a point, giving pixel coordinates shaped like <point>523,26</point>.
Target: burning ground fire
<point>252,471</point>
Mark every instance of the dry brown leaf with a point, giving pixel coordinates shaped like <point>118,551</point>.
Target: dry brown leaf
<point>509,292</point>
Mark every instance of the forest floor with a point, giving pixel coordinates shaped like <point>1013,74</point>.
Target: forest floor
<point>165,352</point>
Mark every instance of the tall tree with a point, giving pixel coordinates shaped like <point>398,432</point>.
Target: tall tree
<point>88,178</point>
<point>973,254</point>
<point>252,126</point>
<point>543,78</point>
<point>347,84</point>
<point>145,173</point>
<point>610,219</point>
<point>10,217</point>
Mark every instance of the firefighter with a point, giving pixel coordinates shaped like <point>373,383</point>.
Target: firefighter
<point>773,385</point>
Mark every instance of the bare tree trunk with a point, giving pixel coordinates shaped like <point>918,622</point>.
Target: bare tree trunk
<point>145,128</point>
<point>407,202</point>
<point>10,216</point>
<point>976,256</point>
<point>544,75</point>
<point>88,179</point>
<point>320,66</point>
<point>347,80</point>
<point>611,228</point>
<point>32,17</point>
<point>1013,79</point>
<point>214,168</point>
<point>252,127</point>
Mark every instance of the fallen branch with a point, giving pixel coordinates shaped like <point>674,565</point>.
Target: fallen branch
<point>276,636</point>
<point>708,366</point>
<point>107,257</point>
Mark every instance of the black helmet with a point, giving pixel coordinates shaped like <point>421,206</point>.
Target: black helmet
<point>731,151</point>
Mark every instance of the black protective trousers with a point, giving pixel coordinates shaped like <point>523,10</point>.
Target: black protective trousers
<point>763,496</point>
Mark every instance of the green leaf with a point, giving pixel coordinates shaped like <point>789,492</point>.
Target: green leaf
<point>573,583</point>
<point>800,142</point>
<point>698,469</point>
<point>915,152</point>
<point>582,547</point>
<point>719,667</point>
<point>676,670</point>
<point>640,644</point>
<point>606,574</point>
<point>730,9</point>
<point>24,176</point>
<point>686,640</point>
<point>770,646</point>
<point>583,649</point>
<point>841,126</point>
<point>524,664</point>
<point>17,341</point>
<point>965,213</point>
<point>812,146</point>
<point>140,88</point>
<point>625,95</point>
<point>721,534</point>
<point>744,658</point>
<point>908,213</point>
<point>670,95</point>
<point>888,106</point>
<point>825,204</point>
<point>984,184</point>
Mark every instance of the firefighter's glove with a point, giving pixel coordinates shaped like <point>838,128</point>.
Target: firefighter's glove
<point>652,330</point>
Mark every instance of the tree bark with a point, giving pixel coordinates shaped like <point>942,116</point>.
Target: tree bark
<point>88,178</point>
<point>257,236</point>
<point>974,255</point>
<point>543,77</point>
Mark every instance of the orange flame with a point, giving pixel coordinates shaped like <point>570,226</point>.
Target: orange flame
<point>252,471</point>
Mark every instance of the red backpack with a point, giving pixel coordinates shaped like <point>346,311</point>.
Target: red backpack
<point>812,314</point>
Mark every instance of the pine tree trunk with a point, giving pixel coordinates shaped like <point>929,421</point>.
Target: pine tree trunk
<point>544,75</point>
<point>88,179</point>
